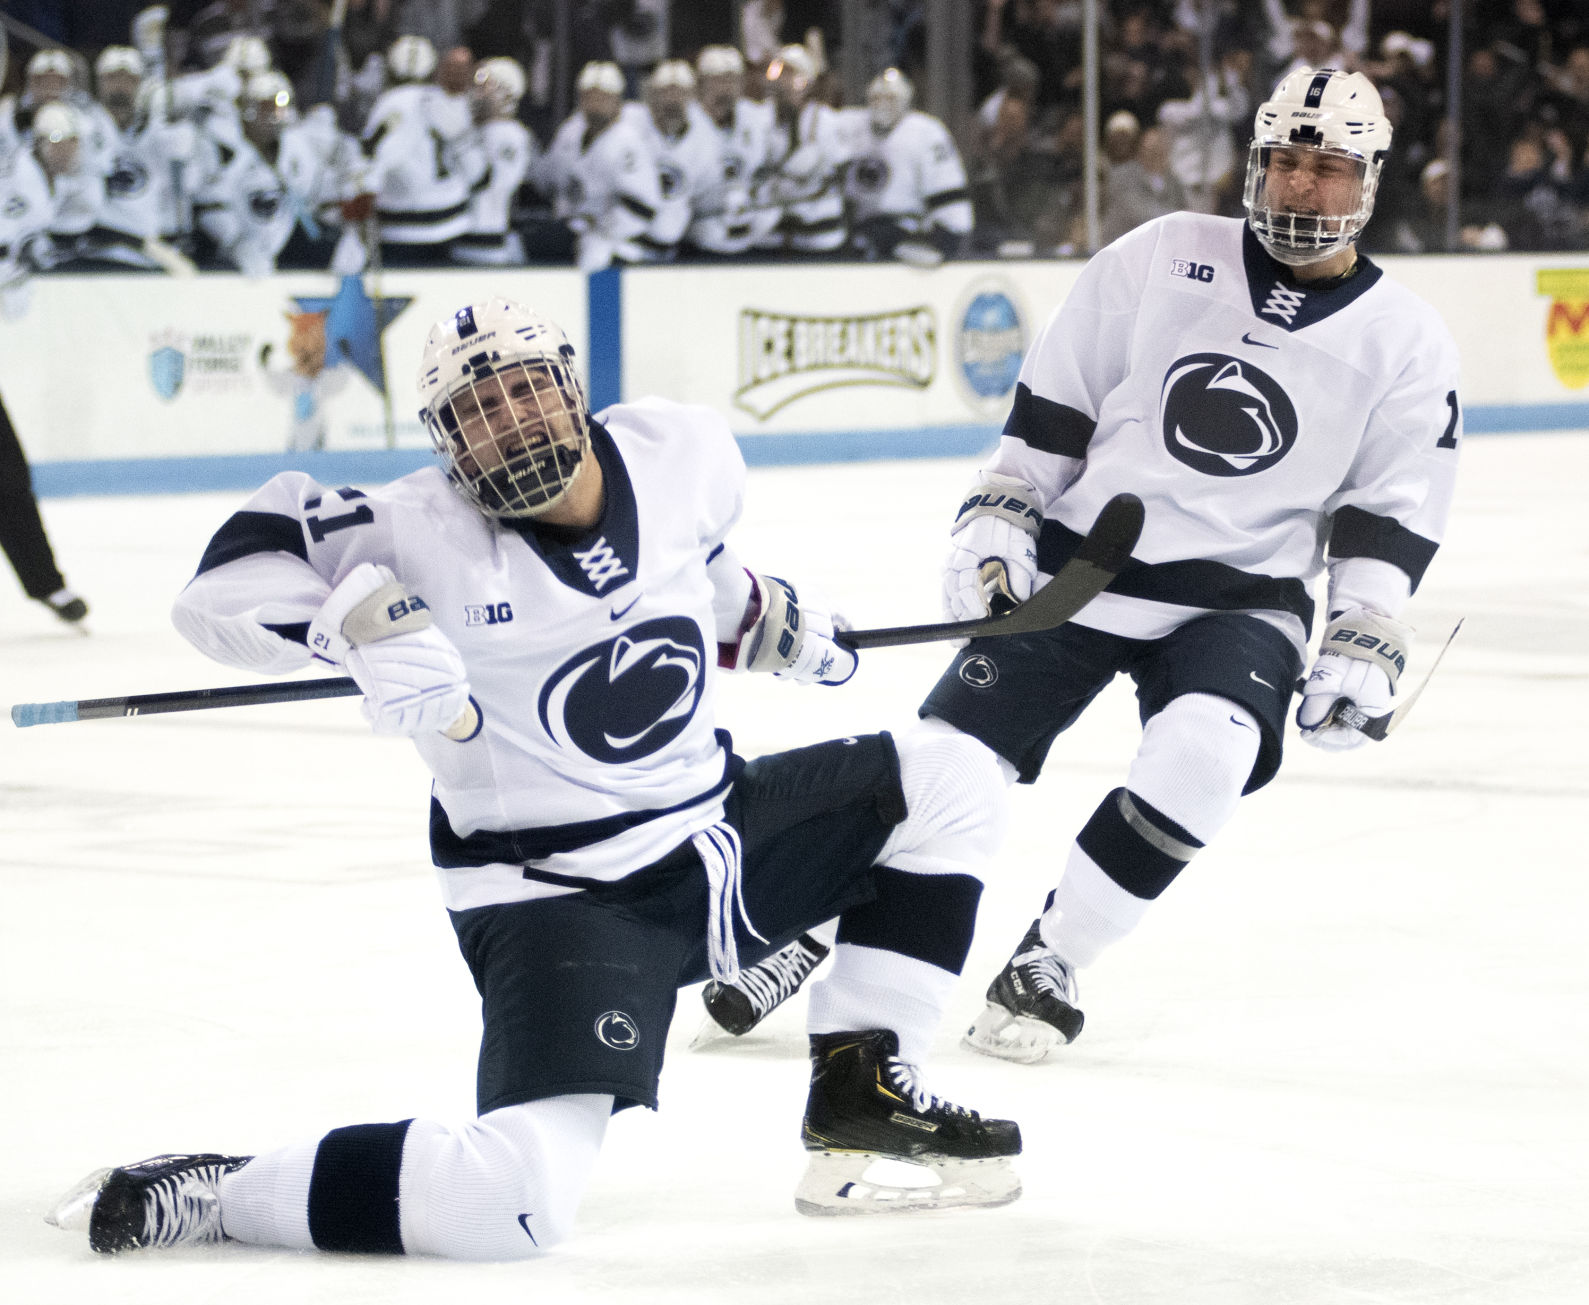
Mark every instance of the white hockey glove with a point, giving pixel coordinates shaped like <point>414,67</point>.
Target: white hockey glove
<point>791,639</point>
<point>412,677</point>
<point>1361,657</point>
<point>998,523</point>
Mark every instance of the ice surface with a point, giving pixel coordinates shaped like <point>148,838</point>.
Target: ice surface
<point>1345,1058</point>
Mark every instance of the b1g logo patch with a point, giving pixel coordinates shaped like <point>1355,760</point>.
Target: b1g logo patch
<point>1224,417</point>
<point>628,696</point>
<point>616,1030</point>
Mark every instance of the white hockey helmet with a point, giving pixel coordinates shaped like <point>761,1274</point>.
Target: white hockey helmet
<point>56,122</point>
<point>504,407</point>
<point>121,59</point>
<point>266,104</point>
<point>1332,112</point>
<point>51,63</point>
<point>247,55</point>
<point>720,61</point>
<point>411,59</point>
<point>888,98</point>
<point>601,75</point>
<point>501,83</point>
<point>792,71</point>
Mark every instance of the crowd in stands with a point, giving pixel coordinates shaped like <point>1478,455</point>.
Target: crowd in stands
<point>239,134</point>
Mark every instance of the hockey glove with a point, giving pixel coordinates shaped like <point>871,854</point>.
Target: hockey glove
<point>412,677</point>
<point>998,523</point>
<point>1361,657</point>
<point>790,639</point>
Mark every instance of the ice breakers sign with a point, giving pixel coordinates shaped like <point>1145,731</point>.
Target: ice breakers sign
<point>783,357</point>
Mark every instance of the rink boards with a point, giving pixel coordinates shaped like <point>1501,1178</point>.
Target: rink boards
<point>160,384</point>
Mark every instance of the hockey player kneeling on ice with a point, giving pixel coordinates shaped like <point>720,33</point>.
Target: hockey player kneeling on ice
<point>1283,409</point>
<point>545,615</point>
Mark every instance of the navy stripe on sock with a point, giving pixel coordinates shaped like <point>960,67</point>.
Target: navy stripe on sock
<point>353,1190</point>
<point>1124,855</point>
<point>928,917</point>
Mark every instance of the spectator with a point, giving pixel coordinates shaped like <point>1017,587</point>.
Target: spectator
<point>1141,185</point>
<point>1202,143</point>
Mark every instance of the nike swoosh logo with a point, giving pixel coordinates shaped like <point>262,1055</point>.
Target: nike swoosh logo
<point>1234,720</point>
<point>524,1223</point>
<point>618,613</point>
<point>1260,679</point>
<point>1247,339</point>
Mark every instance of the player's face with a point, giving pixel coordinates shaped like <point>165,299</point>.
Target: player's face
<point>667,105</point>
<point>1313,182</point>
<point>718,94</point>
<point>58,157</point>
<point>517,434</point>
<point>118,92</point>
<point>599,107</point>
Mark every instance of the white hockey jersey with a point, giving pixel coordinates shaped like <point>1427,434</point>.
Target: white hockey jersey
<point>912,173</point>
<point>606,187</point>
<point>425,162</point>
<point>1264,425</point>
<point>593,660</point>
<point>244,206</point>
<point>723,217</point>
<point>806,159</point>
<point>510,151</point>
<point>149,178</point>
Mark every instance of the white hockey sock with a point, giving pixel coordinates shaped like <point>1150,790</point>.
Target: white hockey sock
<point>266,1202</point>
<point>501,1187</point>
<point>504,1186</point>
<point>868,988</point>
<point>1089,911</point>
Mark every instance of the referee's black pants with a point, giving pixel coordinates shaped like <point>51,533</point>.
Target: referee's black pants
<point>21,531</point>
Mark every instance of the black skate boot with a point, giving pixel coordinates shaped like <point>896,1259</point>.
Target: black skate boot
<point>66,605</point>
<point>736,1008</point>
<point>1031,1006</point>
<point>170,1200</point>
<point>868,1106</point>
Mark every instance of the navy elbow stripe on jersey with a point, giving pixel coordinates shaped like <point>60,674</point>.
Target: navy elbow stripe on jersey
<point>1136,845</point>
<point>247,533</point>
<point>452,851</point>
<point>927,917</point>
<point>353,1189</point>
<point>1047,426</point>
<point>947,197</point>
<point>293,632</point>
<point>635,206</point>
<point>1356,533</point>
<point>1213,586</point>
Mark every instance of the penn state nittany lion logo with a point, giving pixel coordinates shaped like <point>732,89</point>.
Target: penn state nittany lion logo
<point>127,177</point>
<point>1224,417</point>
<point>617,1031</point>
<point>629,696</point>
<point>870,174</point>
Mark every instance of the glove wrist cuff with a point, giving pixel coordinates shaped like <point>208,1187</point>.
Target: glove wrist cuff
<point>1006,498</point>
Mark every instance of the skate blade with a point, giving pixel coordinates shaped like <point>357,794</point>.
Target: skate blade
<point>863,1182</point>
<point>72,1212</point>
<point>1006,1036</point>
<point>710,1032</point>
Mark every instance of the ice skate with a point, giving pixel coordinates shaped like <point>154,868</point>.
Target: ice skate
<point>1031,1006</point>
<point>169,1200</point>
<point>736,1008</point>
<point>881,1143</point>
<point>69,607</point>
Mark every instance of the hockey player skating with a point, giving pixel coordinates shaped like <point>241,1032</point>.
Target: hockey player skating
<point>545,618</point>
<point>1282,408</point>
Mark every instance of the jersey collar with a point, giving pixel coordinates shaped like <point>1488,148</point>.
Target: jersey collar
<point>603,558</point>
<point>1281,300</point>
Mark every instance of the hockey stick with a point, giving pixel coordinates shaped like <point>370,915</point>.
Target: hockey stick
<point>1377,727</point>
<point>1103,552</point>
